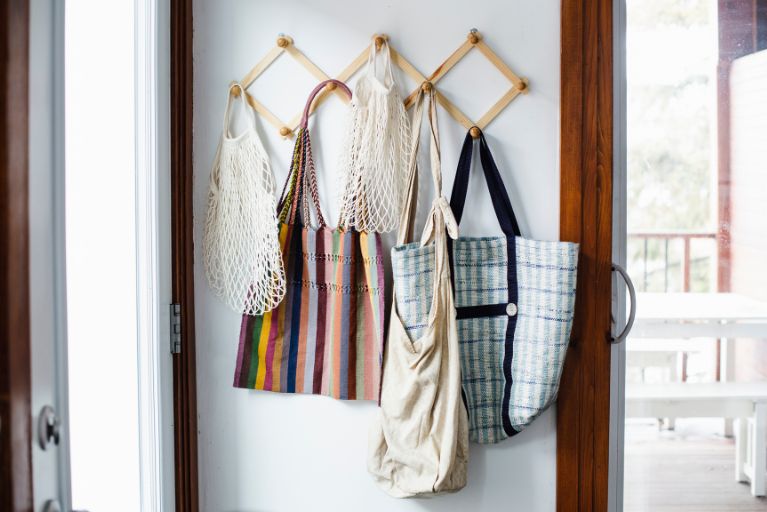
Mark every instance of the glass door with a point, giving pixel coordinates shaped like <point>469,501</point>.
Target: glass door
<point>694,241</point>
<point>99,210</point>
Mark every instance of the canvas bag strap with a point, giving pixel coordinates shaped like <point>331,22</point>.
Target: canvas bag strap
<point>504,212</point>
<point>510,227</point>
<point>407,217</point>
<point>440,223</point>
<point>440,218</point>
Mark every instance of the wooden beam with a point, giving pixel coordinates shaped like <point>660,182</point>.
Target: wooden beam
<point>15,368</point>
<point>182,246</point>
<point>583,407</point>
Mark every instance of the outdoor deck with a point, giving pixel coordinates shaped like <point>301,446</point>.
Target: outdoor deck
<point>689,470</point>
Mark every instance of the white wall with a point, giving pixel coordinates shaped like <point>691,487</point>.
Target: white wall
<point>264,451</point>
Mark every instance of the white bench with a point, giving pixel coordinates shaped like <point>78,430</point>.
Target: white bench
<point>744,402</point>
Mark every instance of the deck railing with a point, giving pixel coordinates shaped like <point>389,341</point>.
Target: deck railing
<point>687,261</point>
<point>666,238</point>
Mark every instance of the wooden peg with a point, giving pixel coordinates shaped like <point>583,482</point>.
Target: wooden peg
<point>380,39</point>
<point>285,131</point>
<point>426,86</point>
<point>473,37</point>
<point>283,41</point>
<point>522,86</point>
<point>475,132</point>
<point>332,86</point>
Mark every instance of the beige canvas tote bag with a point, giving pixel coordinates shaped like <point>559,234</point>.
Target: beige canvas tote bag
<point>419,438</point>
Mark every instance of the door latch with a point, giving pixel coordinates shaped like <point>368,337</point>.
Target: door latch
<point>48,427</point>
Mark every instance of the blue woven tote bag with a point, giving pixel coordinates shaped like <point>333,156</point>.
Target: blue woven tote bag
<point>514,303</point>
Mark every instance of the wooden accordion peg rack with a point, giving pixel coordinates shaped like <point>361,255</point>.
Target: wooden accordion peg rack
<point>284,44</point>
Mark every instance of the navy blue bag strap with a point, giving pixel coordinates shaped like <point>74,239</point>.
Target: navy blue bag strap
<point>501,203</point>
<point>508,221</point>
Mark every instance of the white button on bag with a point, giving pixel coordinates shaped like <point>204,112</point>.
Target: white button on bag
<point>511,309</point>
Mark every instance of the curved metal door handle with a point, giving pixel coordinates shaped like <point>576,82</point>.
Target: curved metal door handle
<point>633,308</point>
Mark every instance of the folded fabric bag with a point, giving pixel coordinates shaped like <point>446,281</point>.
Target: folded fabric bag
<point>419,438</point>
<point>326,336</point>
<point>514,302</point>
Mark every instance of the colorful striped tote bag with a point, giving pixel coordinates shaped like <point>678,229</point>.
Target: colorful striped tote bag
<point>514,303</point>
<point>325,337</point>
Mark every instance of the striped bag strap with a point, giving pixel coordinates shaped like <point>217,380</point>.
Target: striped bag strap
<point>303,173</point>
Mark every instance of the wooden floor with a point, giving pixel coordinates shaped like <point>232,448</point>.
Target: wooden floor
<point>680,472</point>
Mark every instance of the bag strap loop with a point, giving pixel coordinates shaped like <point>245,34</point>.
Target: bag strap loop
<point>303,174</point>
<point>312,95</point>
<point>227,112</point>
<point>440,207</point>
<point>407,217</point>
<point>372,66</point>
<point>504,212</point>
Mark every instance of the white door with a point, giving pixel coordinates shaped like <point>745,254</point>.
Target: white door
<point>100,255</point>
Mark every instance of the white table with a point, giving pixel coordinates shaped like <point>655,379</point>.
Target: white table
<point>683,316</point>
<point>699,315</point>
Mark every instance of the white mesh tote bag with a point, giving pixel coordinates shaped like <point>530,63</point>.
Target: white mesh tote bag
<point>419,438</point>
<point>375,155</point>
<point>514,301</point>
<point>241,247</point>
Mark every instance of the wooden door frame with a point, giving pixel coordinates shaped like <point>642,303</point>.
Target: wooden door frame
<point>182,247</point>
<point>15,368</point>
<point>586,166</point>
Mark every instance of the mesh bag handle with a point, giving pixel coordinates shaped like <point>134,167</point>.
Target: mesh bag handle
<point>372,67</point>
<point>227,119</point>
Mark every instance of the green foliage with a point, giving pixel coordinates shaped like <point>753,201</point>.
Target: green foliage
<point>659,13</point>
<point>670,129</point>
<point>669,157</point>
<point>671,135</point>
